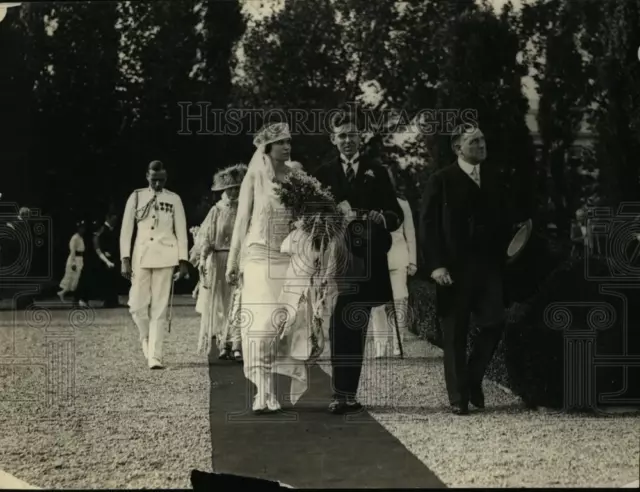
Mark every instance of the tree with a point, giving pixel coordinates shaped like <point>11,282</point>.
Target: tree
<point>223,26</point>
<point>553,27</point>
<point>78,110</point>
<point>311,61</point>
<point>295,60</point>
<point>163,44</point>
<point>611,36</point>
<point>16,83</point>
<point>176,56</point>
<point>482,73</point>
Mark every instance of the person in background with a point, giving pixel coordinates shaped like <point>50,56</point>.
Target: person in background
<point>582,236</point>
<point>402,260</point>
<point>209,255</point>
<point>74,266</point>
<point>105,244</point>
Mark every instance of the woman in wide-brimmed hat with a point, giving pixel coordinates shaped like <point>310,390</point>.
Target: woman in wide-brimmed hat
<point>209,254</point>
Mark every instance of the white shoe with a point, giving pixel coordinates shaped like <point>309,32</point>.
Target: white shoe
<point>145,348</point>
<point>61,295</point>
<point>155,364</point>
<point>259,403</point>
<point>83,304</point>
<point>272,403</point>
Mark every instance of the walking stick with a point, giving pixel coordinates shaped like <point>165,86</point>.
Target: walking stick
<point>397,330</point>
<point>171,305</point>
<point>173,283</point>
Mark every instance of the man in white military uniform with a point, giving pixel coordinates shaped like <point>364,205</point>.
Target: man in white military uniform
<point>160,246</point>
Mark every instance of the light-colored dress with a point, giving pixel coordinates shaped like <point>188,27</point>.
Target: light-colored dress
<point>69,282</point>
<point>402,252</point>
<point>211,247</point>
<point>265,270</point>
<point>400,256</point>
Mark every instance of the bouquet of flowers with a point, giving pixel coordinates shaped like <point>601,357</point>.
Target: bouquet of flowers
<point>313,207</point>
<point>317,217</point>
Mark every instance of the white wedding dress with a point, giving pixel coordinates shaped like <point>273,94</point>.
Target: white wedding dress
<point>269,290</point>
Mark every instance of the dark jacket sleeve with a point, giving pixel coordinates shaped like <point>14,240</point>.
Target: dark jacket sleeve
<point>368,239</point>
<point>96,239</point>
<point>430,231</point>
<point>319,174</point>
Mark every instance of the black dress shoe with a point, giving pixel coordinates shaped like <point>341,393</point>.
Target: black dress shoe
<point>460,409</point>
<point>338,406</point>
<point>476,396</point>
<point>353,405</point>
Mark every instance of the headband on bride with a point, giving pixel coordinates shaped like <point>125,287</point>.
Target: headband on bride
<point>271,133</point>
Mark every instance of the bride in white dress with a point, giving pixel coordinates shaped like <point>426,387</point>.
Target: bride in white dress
<point>256,261</point>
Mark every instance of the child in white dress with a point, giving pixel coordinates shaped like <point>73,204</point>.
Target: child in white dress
<point>209,254</point>
<point>75,262</point>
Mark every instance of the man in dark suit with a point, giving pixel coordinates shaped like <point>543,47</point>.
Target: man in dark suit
<point>360,183</point>
<point>105,243</point>
<point>465,231</point>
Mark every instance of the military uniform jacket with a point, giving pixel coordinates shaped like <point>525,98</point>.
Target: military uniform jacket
<point>161,239</point>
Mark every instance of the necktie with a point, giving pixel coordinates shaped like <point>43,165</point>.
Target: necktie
<point>350,172</point>
<point>475,175</point>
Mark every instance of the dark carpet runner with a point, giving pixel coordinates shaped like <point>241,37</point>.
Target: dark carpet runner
<point>305,446</point>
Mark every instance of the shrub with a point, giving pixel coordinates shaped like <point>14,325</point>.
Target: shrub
<point>536,354</point>
<point>422,308</point>
<point>531,359</point>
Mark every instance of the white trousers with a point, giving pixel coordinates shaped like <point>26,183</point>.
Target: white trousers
<point>382,329</point>
<point>148,305</point>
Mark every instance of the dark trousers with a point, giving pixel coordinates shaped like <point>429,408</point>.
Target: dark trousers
<point>110,278</point>
<point>477,290</point>
<point>348,332</point>
<point>83,290</point>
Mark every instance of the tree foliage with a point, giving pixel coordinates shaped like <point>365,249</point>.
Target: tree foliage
<point>560,74</point>
<point>77,105</point>
<point>91,90</point>
<point>611,37</point>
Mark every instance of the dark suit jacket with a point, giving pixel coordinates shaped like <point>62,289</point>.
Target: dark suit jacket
<point>447,218</point>
<point>365,269</point>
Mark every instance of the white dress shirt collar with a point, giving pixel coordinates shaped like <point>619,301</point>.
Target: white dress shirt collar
<point>466,167</point>
<point>354,162</point>
<point>469,169</point>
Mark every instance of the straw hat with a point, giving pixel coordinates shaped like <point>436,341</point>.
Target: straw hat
<point>229,177</point>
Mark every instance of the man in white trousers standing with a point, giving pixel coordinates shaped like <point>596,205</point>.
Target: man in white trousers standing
<point>160,246</point>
